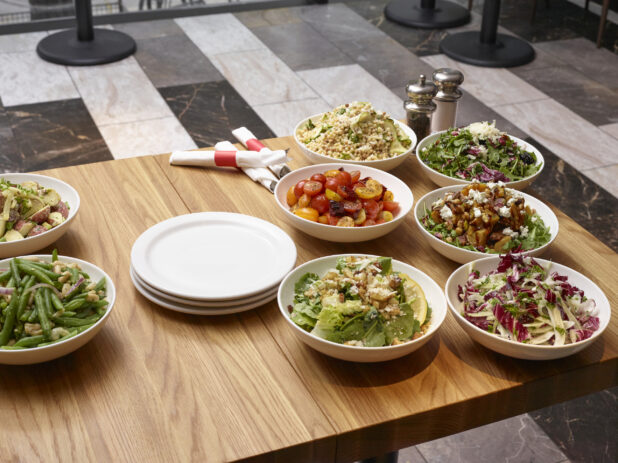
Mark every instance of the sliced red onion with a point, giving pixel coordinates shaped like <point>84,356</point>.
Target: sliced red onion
<point>6,291</point>
<point>75,286</point>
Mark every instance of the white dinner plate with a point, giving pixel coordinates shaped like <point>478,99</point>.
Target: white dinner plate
<point>213,256</point>
<point>184,308</point>
<point>196,303</point>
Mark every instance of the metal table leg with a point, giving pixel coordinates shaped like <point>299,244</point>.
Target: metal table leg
<point>85,46</point>
<point>427,14</point>
<point>487,47</point>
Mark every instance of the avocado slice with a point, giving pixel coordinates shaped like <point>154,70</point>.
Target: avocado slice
<point>396,146</point>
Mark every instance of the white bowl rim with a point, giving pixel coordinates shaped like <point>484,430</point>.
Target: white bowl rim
<point>400,216</point>
<point>509,342</point>
<point>537,152</point>
<point>411,133</point>
<point>73,208</point>
<point>480,254</point>
<point>110,304</point>
<point>432,328</point>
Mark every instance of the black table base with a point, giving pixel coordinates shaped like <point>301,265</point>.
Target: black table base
<point>427,14</point>
<point>487,47</point>
<point>105,47</point>
<point>506,51</point>
<point>85,46</point>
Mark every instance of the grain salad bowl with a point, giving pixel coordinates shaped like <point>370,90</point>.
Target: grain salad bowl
<point>402,194</point>
<point>382,164</point>
<point>443,180</point>
<point>32,355</point>
<point>34,243</point>
<point>433,293</point>
<point>464,255</point>
<point>516,349</point>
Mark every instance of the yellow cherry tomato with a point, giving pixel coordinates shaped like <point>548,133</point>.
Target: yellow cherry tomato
<point>345,221</point>
<point>308,213</point>
<point>291,197</point>
<point>388,196</point>
<point>304,200</point>
<point>387,216</point>
<point>361,217</point>
<point>331,173</point>
<point>323,219</point>
<point>372,189</point>
<point>333,196</point>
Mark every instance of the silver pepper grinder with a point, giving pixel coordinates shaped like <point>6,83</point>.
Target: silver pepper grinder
<point>419,106</point>
<point>448,81</point>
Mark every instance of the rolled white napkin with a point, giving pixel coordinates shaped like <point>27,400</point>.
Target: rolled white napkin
<point>258,174</point>
<point>227,158</point>
<point>250,141</point>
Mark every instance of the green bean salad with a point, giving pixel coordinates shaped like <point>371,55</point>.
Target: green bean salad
<point>43,303</point>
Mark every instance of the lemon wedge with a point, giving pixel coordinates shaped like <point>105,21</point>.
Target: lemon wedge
<point>415,297</point>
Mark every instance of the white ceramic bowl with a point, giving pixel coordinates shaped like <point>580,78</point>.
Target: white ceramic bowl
<point>53,351</point>
<point>383,164</point>
<point>463,255</point>
<point>517,349</point>
<point>444,180</point>
<point>433,293</point>
<point>34,243</point>
<point>402,194</point>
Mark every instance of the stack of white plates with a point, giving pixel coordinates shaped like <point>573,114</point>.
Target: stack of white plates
<point>211,263</point>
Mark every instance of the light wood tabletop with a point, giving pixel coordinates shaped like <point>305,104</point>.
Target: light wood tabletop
<point>156,385</point>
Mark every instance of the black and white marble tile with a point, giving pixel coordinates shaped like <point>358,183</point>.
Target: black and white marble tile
<point>48,135</point>
<point>270,17</point>
<point>585,429</point>
<point>150,29</point>
<point>174,60</point>
<point>421,42</point>
<point>573,89</point>
<point>209,111</point>
<point>300,46</point>
<point>514,440</point>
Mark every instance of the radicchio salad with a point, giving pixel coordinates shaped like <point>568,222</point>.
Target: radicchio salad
<point>479,152</point>
<point>523,301</point>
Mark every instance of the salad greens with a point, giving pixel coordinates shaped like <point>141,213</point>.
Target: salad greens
<point>479,151</point>
<point>361,302</point>
<point>522,301</point>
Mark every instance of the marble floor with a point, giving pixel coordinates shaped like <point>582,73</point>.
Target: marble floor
<point>195,79</point>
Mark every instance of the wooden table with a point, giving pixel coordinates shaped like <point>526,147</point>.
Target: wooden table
<point>156,385</point>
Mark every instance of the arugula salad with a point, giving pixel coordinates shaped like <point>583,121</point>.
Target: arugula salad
<point>523,301</point>
<point>486,217</point>
<point>362,302</point>
<point>479,151</point>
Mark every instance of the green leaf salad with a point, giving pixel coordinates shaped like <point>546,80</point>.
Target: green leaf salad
<point>479,152</point>
<point>362,302</point>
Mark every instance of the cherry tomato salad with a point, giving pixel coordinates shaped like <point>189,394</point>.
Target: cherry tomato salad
<point>341,198</point>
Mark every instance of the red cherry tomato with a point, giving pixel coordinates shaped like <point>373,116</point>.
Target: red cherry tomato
<point>369,222</point>
<point>391,206</point>
<point>331,184</point>
<point>346,192</point>
<point>354,176</point>
<point>312,188</point>
<point>352,206</point>
<point>344,178</point>
<point>298,189</point>
<point>332,219</point>
<point>372,208</point>
<point>379,221</point>
<point>318,178</point>
<point>320,203</point>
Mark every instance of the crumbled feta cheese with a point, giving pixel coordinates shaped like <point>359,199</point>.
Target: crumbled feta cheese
<point>477,212</point>
<point>510,201</point>
<point>437,204</point>
<point>533,218</point>
<point>523,231</point>
<point>477,196</point>
<point>484,131</point>
<point>504,212</point>
<point>446,213</point>
<point>508,232</point>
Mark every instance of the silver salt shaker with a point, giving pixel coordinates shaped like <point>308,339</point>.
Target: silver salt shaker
<point>419,106</point>
<point>447,81</point>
